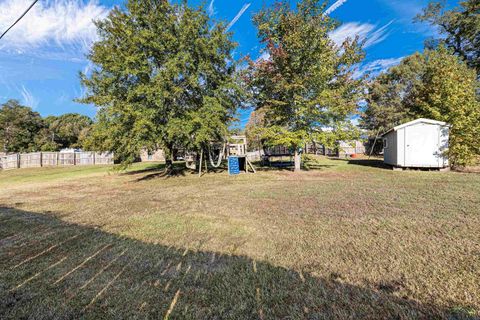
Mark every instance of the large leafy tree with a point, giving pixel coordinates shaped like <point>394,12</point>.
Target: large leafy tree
<point>18,127</point>
<point>68,130</point>
<point>163,77</point>
<point>305,84</point>
<point>448,92</point>
<point>436,84</point>
<point>459,28</point>
<point>253,129</point>
<point>389,98</point>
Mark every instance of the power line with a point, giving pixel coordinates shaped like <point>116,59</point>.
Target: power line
<point>26,11</point>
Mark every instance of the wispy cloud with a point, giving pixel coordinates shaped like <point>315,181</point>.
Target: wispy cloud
<point>28,99</point>
<point>367,32</point>
<point>63,24</point>
<point>406,9</point>
<point>88,67</point>
<point>211,8</point>
<point>376,67</point>
<point>265,56</point>
<point>334,6</point>
<point>239,15</point>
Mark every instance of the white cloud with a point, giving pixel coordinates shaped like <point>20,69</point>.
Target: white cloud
<point>88,67</point>
<point>334,7</point>
<point>28,99</point>
<point>365,31</point>
<point>65,24</point>
<point>265,56</point>
<point>376,67</point>
<point>239,15</point>
<point>211,8</point>
<point>406,9</point>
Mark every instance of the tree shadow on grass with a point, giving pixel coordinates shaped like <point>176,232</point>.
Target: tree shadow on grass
<point>50,269</point>
<point>373,163</point>
<point>306,166</point>
<point>156,171</point>
<point>267,168</point>
<point>176,172</point>
<point>154,167</point>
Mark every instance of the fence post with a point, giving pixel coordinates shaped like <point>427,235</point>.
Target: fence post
<point>41,159</point>
<point>58,158</point>
<point>18,160</point>
<point>94,157</point>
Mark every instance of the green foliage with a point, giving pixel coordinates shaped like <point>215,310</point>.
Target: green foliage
<point>389,97</point>
<point>436,85</point>
<point>68,130</point>
<point>45,140</point>
<point>305,85</point>
<point>254,136</point>
<point>448,93</point>
<point>18,127</point>
<point>459,27</point>
<point>163,77</point>
<point>23,130</point>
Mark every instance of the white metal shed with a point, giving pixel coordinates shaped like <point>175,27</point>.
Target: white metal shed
<point>417,144</point>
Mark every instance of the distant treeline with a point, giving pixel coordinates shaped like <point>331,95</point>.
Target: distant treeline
<point>24,130</point>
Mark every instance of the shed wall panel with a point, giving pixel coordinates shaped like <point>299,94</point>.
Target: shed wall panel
<point>421,144</point>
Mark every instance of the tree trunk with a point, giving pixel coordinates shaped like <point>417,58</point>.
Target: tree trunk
<point>298,160</point>
<point>168,165</point>
<point>200,164</point>
<point>168,152</point>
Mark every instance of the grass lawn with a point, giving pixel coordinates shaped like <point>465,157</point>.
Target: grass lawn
<point>342,240</point>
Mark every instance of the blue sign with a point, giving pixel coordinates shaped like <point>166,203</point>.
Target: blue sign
<point>233,165</point>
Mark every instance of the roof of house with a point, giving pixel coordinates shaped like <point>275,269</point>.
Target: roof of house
<point>411,123</point>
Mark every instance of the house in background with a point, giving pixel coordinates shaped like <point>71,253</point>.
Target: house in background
<point>421,143</point>
<point>157,155</point>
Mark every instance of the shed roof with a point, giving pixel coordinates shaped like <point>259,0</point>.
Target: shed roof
<point>411,123</point>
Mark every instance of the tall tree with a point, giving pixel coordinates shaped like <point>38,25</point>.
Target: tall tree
<point>18,127</point>
<point>437,85</point>
<point>68,130</point>
<point>389,98</point>
<point>460,28</point>
<point>45,140</point>
<point>447,93</point>
<point>163,77</point>
<point>253,130</point>
<point>305,85</point>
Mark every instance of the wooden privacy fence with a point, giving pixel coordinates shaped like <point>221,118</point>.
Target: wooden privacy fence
<point>52,159</point>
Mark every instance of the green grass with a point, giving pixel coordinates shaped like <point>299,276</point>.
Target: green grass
<point>342,240</point>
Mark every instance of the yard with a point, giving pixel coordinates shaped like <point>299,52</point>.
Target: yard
<point>342,240</point>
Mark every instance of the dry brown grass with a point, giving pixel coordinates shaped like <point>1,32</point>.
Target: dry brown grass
<point>344,240</point>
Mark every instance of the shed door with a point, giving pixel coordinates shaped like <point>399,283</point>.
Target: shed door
<point>421,145</point>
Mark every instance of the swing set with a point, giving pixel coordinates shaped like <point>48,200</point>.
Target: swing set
<point>235,147</point>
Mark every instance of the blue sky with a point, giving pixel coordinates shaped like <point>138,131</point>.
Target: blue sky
<point>41,57</point>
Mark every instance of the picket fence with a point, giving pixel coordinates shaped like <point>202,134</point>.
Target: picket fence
<point>52,159</point>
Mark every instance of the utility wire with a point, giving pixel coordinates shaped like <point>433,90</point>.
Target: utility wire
<point>26,11</point>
